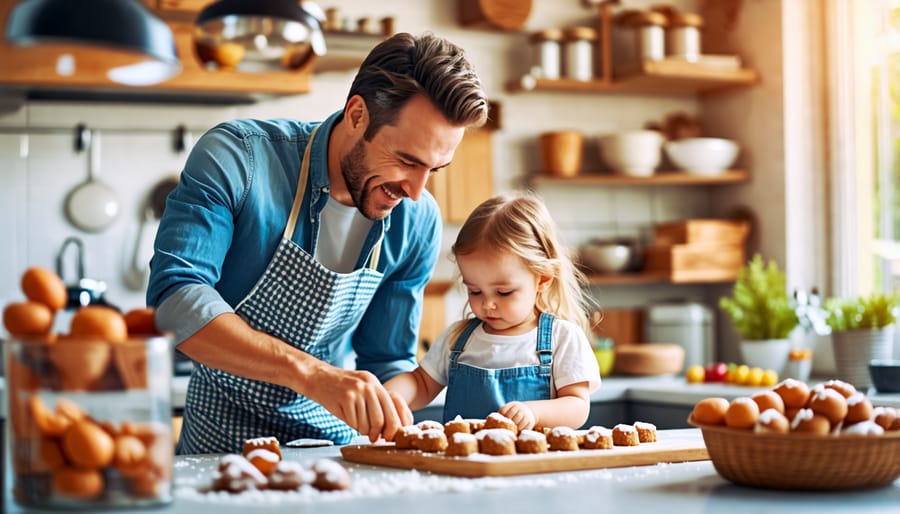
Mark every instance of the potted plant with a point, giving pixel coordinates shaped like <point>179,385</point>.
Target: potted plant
<point>762,313</point>
<point>862,329</point>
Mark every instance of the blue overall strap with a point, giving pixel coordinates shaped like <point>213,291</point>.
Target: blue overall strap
<point>545,343</point>
<point>461,341</point>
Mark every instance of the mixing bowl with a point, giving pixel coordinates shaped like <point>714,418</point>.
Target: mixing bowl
<point>606,256</point>
<point>702,155</point>
<point>634,153</point>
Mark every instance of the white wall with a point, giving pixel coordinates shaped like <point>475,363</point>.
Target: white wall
<point>33,185</point>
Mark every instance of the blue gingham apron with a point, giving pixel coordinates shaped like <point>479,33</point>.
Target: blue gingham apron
<point>307,306</point>
<point>474,392</point>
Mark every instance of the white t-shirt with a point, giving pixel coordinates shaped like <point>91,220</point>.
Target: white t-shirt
<point>342,232</point>
<point>573,358</point>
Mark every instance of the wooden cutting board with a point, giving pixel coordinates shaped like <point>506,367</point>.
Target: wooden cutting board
<point>671,446</point>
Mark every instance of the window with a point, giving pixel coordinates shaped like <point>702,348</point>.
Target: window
<point>864,106</point>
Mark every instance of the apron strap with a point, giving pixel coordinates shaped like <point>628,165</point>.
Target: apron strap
<point>545,343</point>
<point>301,187</point>
<point>298,201</point>
<point>461,341</point>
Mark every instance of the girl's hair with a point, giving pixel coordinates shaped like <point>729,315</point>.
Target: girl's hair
<point>404,66</point>
<point>519,223</point>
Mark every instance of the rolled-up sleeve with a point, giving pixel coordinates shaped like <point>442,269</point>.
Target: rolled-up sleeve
<point>195,234</point>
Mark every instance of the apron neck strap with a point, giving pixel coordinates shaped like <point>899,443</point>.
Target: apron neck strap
<point>298,201</point>
<point>301,187</point>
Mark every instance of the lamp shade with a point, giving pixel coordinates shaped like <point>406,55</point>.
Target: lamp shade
<point>261,34</point>
<point>124,25</point>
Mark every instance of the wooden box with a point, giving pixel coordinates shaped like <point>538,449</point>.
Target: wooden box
<point>701,231</point>
<point>623,326</point>
<point>696,262</point>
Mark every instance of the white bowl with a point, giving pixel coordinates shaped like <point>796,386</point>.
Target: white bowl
<point>606,256</point>
<point>702,155</point>
<point>635,153</point>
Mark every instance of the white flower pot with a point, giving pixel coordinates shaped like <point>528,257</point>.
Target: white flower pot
<point>766,353</point>
<point>853,349</point>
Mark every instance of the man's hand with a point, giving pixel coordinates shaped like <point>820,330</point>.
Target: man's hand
<point>520,414</point>
<point>359,399</point>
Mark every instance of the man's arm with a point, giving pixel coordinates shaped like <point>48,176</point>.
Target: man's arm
<point>356,397</point>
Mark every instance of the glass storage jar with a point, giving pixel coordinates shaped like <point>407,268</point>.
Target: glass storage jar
<point>547,45</point>
<point>579,63</point>
<point>649,32</point>
<point>683,36</point>
<point>90,422</point>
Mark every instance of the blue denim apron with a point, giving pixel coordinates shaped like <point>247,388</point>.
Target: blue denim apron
<point>474,392</point>
<point>307,306</point>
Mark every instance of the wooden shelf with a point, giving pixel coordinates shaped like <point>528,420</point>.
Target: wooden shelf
<point>663,178</point>
<point>650,77</point>
<point>640,278</point>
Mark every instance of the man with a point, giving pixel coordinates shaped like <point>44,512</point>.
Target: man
<point>285,241</point>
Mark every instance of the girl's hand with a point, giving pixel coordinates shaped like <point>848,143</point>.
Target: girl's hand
<point>520,414</point>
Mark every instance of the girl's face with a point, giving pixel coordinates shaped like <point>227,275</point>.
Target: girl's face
<point>501,290</point>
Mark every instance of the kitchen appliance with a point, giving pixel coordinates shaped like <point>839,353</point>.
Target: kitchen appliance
<point>688,324</point>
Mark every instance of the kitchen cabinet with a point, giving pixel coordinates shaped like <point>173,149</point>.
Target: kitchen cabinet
<point>37,69</point>
<point>468,180</point>
<point>434,319</point>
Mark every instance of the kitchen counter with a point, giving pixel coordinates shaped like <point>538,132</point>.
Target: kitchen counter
<point>684,487</point>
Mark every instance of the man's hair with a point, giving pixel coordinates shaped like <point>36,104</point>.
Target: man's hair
<point>404,66</point>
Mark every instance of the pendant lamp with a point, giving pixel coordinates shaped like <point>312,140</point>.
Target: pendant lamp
<point>144,41</point>
<point>260,35</point>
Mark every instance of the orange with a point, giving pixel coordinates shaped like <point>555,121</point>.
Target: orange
<point>44,286</point>
<point>27,318</point>
<point>141,321</point>
<point>97,321</point>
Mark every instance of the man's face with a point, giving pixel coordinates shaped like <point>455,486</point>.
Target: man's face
<point>399,159</point>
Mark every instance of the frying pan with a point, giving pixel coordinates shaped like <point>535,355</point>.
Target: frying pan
<point>92,206</point>
<point>151,212</point>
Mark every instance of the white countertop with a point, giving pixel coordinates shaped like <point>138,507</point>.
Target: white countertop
<point>693,487</point>
<point>663,389</point>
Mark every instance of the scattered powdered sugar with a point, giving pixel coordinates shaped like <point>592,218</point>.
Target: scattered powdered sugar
<point>644,425</point>
<point>625,428</point>
<point>769,415</point>
<point>365,486</point>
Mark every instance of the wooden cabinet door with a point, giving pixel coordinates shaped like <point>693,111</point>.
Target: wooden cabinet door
<point>469,180</point>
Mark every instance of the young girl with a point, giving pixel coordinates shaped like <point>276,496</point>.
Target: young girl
<point>525,354</point>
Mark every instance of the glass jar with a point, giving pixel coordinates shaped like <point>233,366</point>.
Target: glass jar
<point>547,49</point>
<point>649,33</point>
<point>90,422</point>
<point>579,63</point>
<point>683,36</point>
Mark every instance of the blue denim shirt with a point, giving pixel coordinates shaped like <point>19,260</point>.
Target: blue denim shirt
<point>224,220</point>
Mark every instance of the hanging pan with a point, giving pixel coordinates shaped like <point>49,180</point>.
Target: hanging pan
<point>92,206</point>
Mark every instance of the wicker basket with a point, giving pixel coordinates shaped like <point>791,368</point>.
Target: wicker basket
<point>802,462</point>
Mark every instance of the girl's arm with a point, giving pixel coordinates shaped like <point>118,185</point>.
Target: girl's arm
<point>416,387</point>
<point>570,408</point>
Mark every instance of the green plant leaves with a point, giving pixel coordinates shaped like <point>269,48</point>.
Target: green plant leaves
<point>760,307</point>
<point>876,310</point>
